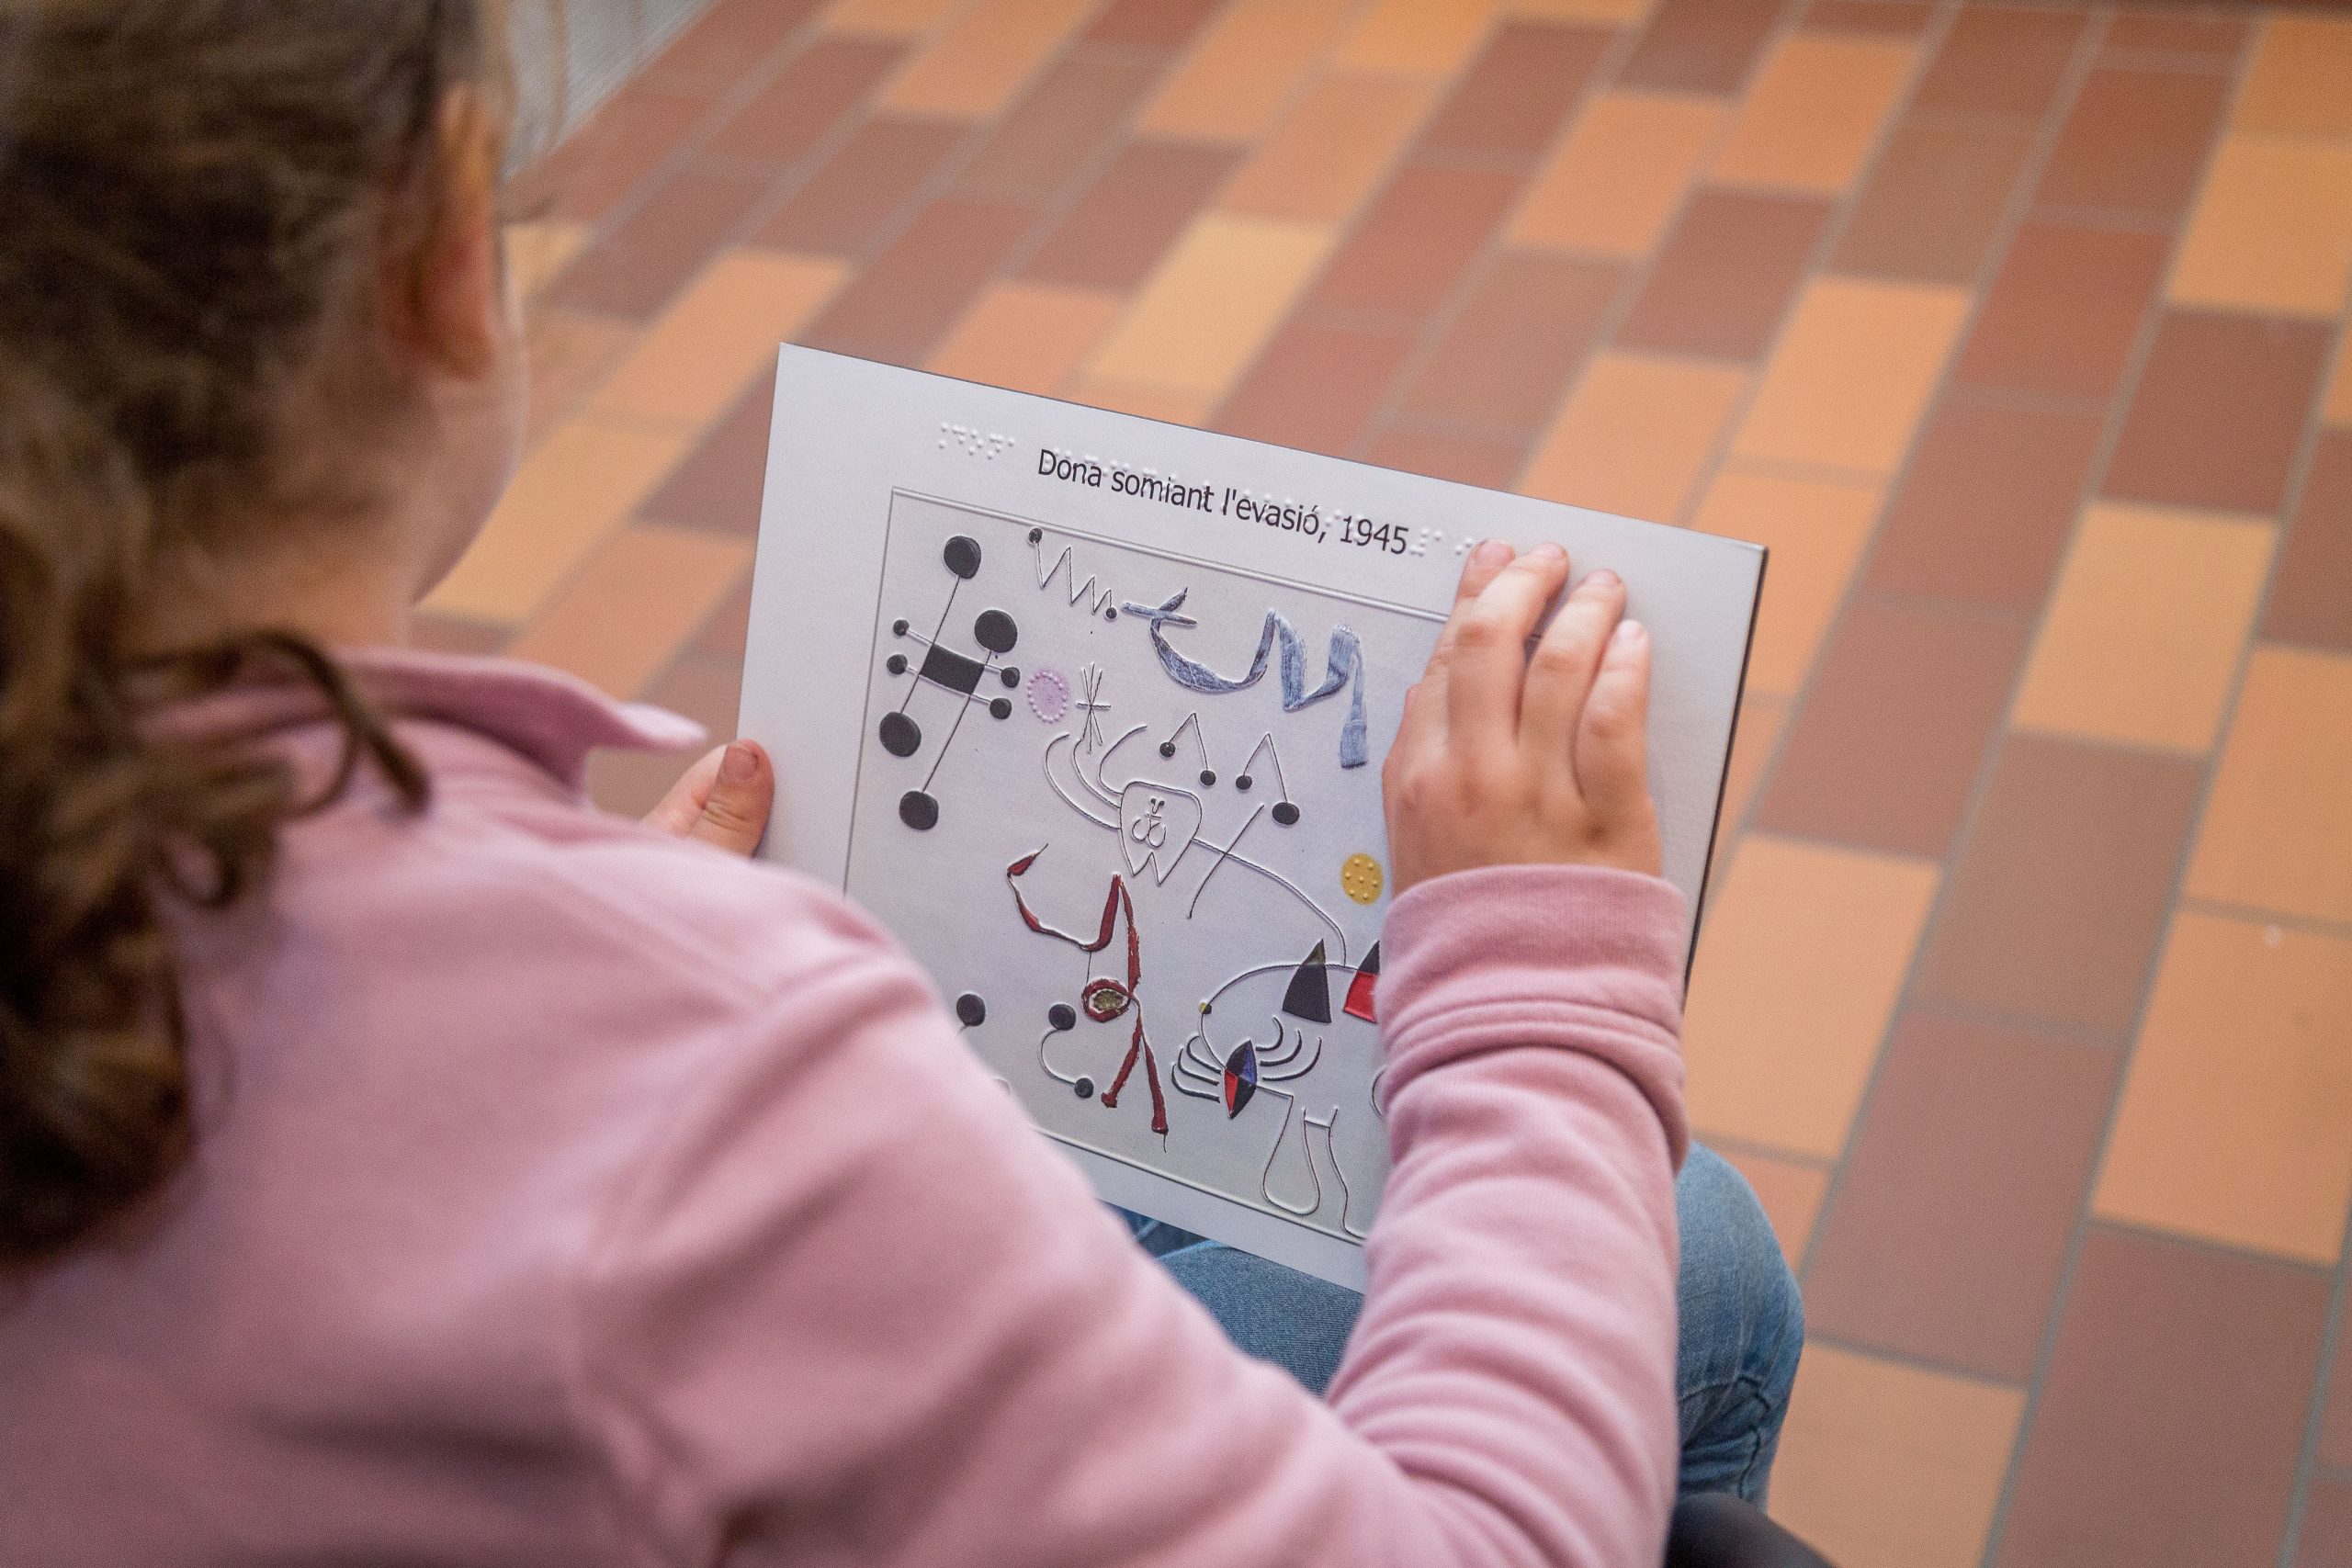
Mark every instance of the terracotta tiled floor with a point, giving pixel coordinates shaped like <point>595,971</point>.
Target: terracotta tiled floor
<point>2018,334</point>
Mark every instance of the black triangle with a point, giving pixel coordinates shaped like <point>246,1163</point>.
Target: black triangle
<point>1309,995</point>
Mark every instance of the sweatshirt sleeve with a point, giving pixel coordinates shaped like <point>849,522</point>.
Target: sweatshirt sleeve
<point>855,1311</point>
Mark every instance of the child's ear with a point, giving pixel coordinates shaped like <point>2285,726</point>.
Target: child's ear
<point>448,295</point>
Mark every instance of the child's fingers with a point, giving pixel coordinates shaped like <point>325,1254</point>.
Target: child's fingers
<point>1485,564</point>
<point>1489,662</point>
<point>1612,750</point>
<point>1561,671</point>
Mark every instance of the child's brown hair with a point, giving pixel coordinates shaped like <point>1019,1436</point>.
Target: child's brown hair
<point>209,206</point>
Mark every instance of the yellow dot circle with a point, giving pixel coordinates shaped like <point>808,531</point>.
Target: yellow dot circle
<point>1360,875</point>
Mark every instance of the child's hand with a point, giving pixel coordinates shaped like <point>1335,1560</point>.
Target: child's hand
<point>724,799</point>
<point>1503,758</point>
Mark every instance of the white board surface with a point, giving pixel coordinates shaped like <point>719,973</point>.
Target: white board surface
<point>1090,710</point>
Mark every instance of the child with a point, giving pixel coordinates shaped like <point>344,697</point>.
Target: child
<point>401,1161</point>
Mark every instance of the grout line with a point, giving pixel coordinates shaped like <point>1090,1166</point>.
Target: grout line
<point>2014,215</point>
<point>2308,925</point>
<point>1753,1149</point>
<point>1854,1345</point>
<point>2127,393</point>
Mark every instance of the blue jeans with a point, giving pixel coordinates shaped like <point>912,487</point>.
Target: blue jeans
<point>1742,1322</point>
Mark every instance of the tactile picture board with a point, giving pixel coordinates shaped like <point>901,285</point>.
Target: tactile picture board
<point>1090,711</point>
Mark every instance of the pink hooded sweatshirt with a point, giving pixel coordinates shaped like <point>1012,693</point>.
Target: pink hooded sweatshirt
<point>567,1194</point>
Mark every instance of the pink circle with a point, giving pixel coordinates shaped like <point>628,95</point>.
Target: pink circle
<point>1049,695</point>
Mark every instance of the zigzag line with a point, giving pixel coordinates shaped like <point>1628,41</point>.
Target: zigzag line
<point>1099,599</point>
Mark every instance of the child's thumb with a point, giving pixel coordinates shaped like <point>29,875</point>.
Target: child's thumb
<point>736,814</point>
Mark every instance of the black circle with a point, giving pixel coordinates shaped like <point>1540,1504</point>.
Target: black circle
<point>1001,708</point>
<point>1061,1016</point>
<point>1242,783</point>
<point>1085,1088</point>
<point>918,811</point>
<point>1285,812</point>
<point>1109,614</point>
<point>900,735</point>
<point>971,1010</point>
<point>1208,777</point>
<point>895,664</point>
<point>898,628</point>
<point>1036,535</point>
<point>962,556</point>
<point>1168,748</point>
<point>995,631</point>
<point>1010,675</point>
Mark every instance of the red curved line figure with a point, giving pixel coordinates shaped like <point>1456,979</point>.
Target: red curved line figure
<point>1115,903</point>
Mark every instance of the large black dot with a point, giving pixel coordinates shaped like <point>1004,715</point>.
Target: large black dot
<point>918,811</point>
<point>1168,748</point>
<point>971,1010</point>
<point>1085,1088</point>
<point>895,664</point>
<point>1285,812</point>
<point>1036,535</point>
<point>995,631</point>
<point>898,628</point>
<point>1001,708</point>
<point>1010,675</point>
<point>1208,777</point>
<point>1061,1016</point>
<point>1109,614</point>
<point>962,556</point>
<point>1242,783</point>
<point>900,735</point>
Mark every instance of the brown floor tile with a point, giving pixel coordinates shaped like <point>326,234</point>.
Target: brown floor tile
<point>724,45</point>
<point>2272,230</point>
<point>1887,1466</point>
<point>980,60</point>
<point>2168,1424</point>
<point>721,333</point>
<point>1512,99</point>
<point>909,295</point>
<point>633,271</point>
<point>2326,1537</point>
<point>807,98</point>
<point>570,353</point>
<point>2297,86</point>
<point>2063,311</point>
<point>1636,434</point>
<point>1725,275</point>
<point>1890,19</point>
<point>1027,336</point>
<point>2001,60</point>
<point>1161,26</point>
<point>2338,406</point>
<point>2135,142</point>
<point>727,630</point>
<point>1316,386</point>
<point>1429,38</point>
<point>2334,1447</point>
<point>1618,178</point>
<point>1075,107</point>
<point>1886,748</point>
<point>2277,835</point>
<point>1815,530</point>
<point>2236,1115</point>
<point>1240,75</point>
<point>1851,374</point>
<point>719,485</point>
<point>2208,37</point>
<point>850,201</point>
<point>634,606</point>
<point>1202,317</point>
<point>1758,738</point>
<point>1801,958</point>
<point>1505,359</point>
<point>1330,150</point>
<point>2142,642</point>
<point>887,19</point>
<point>1413,239</point>
<point>1791,1193</point>
<point>1961,1194</point>
<point>2063,884</point>
<point>704,689</point>
<point>1986,506</point>
<point>1814,113</point>
<point>1490,465</point>
<point>1935,201</point>
<point>448,634</point>
<point>2219,408</point>
<point>620,145</point>
<point>1699,46</point>
<point>537,253</point>
<point>1129,217</point>
<point>2310,601</point>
